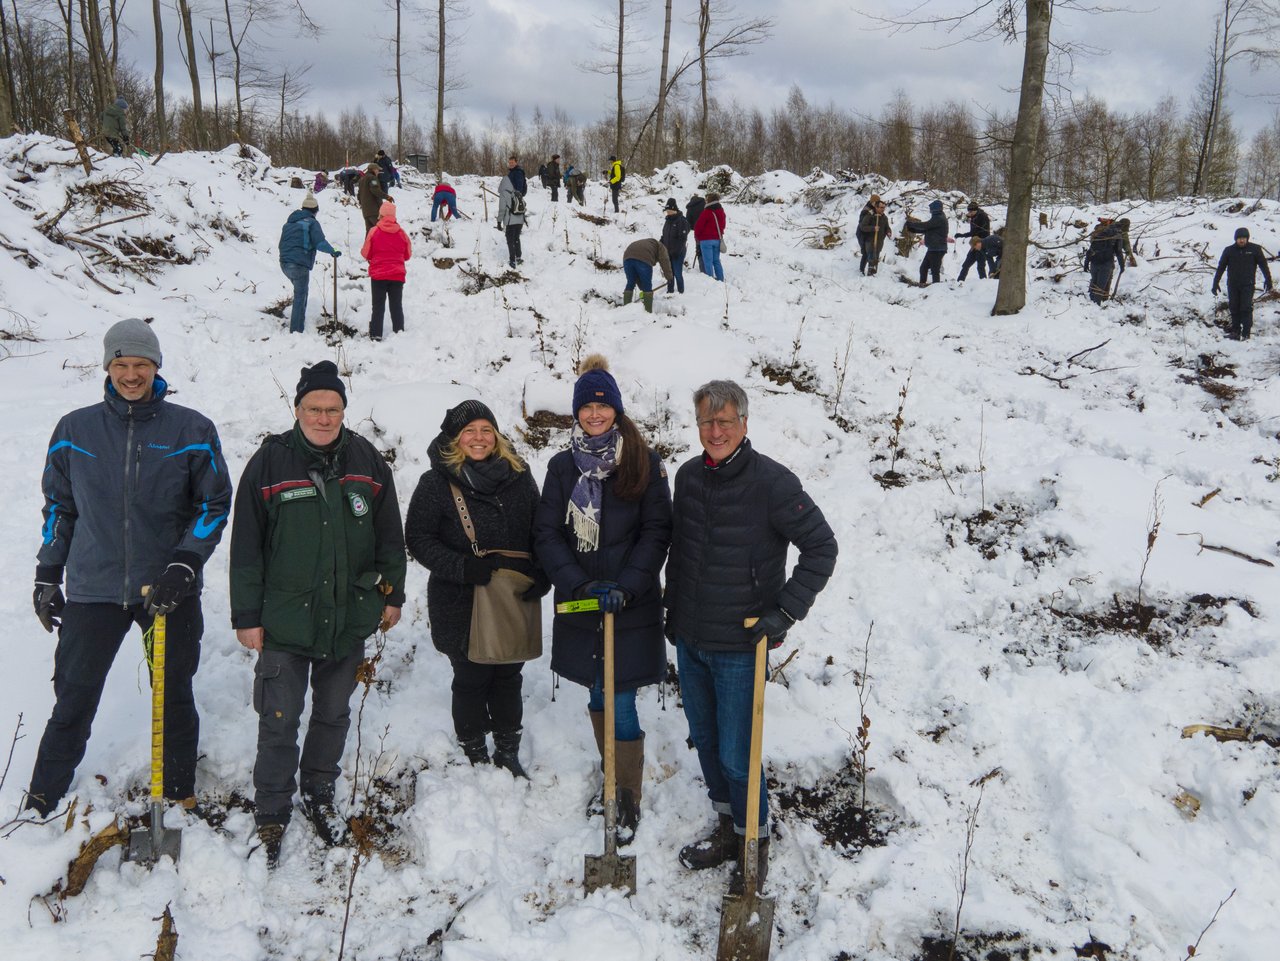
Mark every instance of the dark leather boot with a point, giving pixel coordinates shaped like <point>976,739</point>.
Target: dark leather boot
<point>595,807</point>
<point>324,817</point>
<point>506,753</point>
<point>475,748</point>
<point>630,772</point>
<point>715,849</point>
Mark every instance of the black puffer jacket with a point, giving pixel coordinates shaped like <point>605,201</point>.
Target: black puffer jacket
<point>675,236</point>
<point>435,538</point>
<point>1241,265</point>
<point>731,527</point>
<point>934,229</point>
<point>979,225</point>
<point>634,536</point>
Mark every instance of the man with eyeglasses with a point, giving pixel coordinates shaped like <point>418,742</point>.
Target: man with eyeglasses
<point>317,566</point>
<point>735,512</point>
<point>136,494</point>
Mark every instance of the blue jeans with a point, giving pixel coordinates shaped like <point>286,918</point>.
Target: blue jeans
<point>626,722</point>
<point>638,273</point>
<point>710,250</point>
<point>448,202</point>
<point>716,687</point>
<point>677,275</point>
<point>301,277</point>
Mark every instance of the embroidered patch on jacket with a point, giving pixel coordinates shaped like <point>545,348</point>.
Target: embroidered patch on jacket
<point>359,506</point>
<point>293,495</point>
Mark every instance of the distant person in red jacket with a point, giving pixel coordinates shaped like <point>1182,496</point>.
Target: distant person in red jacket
<point>709,232</point>
<point>386,248</point>
<point>445,197</point>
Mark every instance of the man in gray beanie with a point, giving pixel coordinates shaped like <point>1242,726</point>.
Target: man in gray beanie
<point>136,494</point>
<point>300,238</point>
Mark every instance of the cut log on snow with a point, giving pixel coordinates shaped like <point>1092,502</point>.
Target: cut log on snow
<point>78,138</point>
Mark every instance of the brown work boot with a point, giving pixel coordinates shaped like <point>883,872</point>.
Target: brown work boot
<point>270,837</point>
<point>715,849</point>
<point>630,787</point>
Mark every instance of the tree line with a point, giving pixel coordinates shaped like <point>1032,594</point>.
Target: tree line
<point>1085,153</point>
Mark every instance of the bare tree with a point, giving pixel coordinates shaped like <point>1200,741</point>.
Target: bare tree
<point>449,14</point>
<point>188,50</point>
<point>659,131</point>
<point>292,89</point>
<point>1243,29</point>
<point>212,53</point>
<point>735,36</point>
<point>613,63</point>
<point>162,126</point>
<point>249,17</point>
<point>8,88</point>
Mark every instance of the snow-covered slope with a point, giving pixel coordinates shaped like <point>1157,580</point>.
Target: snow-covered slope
<point>1001,577</point>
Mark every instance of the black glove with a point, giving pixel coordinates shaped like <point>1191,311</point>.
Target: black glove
<point>49,602</point>
<point>774,625</point>
<point>541,586</point>
<point>170,588</point>
<point>477,570</point>
<point>612,598</point>
<point>1214,290</point>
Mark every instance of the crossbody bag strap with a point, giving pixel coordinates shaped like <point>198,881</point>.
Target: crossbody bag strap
<point>469,528</point>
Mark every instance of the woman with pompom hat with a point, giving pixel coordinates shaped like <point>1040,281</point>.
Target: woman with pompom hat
<point>387,248</point>
<point>602,530</point>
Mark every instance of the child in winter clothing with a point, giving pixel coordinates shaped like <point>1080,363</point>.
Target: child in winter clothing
<point>387,247</point>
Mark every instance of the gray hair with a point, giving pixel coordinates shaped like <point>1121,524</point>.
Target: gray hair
<point>719,394</point>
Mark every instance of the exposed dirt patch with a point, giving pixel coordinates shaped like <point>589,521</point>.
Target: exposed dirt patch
<point>1003,528</point>
<point>538,426</point>
<point>160,247</point>
<point>604,264</point>
<point>444,263</point>
<point>1158,624</point>
<point>1001,946</point>
<point>279,308</point>
<point>800,376</point>
<point>335,331</point>
<point>591,218</point>
<point>833,807</point>
<point>479,280</point>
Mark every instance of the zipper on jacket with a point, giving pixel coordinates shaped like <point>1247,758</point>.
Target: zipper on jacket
<point>128,446</point>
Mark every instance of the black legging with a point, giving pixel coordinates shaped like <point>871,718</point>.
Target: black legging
<point>384,290</point>
<point>486,697</point>
<point>932,264</point>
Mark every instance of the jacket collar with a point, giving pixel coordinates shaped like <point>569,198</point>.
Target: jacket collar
<point>731,466</point>
<point>138,410</point>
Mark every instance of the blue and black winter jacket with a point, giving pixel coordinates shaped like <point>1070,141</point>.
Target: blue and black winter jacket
<point>128,488</point>
<point>301,237</point>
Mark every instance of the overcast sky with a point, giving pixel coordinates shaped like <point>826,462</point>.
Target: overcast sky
<point>526,54</point>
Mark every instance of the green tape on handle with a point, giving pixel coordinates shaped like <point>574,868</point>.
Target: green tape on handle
<point>577,607</point>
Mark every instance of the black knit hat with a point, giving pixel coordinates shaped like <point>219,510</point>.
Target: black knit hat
<point>323,376</point>
<point>973,205</point>
<point>459,417</point>
<point>1242,232</point>
<point>671,204</point>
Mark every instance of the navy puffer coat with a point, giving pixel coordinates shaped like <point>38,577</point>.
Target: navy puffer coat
<point>634,537</point>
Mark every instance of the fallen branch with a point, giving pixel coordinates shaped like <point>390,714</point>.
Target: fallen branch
<point>78,871</point>
<point>1193,948</point>
<point>1072,359</point>
<point>1226,550</point>
<point>1218,733</point>
<point>1207,497</point>
<point>167,942</point>
<point>118,220</point>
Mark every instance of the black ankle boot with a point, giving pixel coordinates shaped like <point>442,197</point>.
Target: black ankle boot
<point>475,748</point>
<point>506,753</point>
<point>717,847</point>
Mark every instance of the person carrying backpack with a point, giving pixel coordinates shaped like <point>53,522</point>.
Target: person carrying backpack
<point>511,214</point>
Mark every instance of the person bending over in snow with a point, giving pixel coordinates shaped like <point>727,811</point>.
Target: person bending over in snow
<point>638,261</point>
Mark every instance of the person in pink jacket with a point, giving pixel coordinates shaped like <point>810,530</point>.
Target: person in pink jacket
<point>386,248</point>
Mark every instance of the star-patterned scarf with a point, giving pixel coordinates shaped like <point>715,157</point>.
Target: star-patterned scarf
<point>596,458</point>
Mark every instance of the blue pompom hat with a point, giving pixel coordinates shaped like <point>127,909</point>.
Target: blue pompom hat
<point>596,386</point>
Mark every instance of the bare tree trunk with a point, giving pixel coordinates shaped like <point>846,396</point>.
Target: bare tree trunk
<point>193,69</point>
<point>162,128</point>
<point>1204,162</point>
<point>9,95</point>
<point>284,87</point>
<point>399,91</point>
<point>617,131</point>
<point>704,27</point>
<point>69,21</point>
<point>440,45</point>
<point>235,74</point>
<point>659,134</point>
<point>1011,296</point>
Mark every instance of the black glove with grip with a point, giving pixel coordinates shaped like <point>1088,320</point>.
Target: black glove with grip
<point>774,625</point>
<point>612,598</point>
<point>477,570</point>
<point>170,588</point>
<point>49,602</point>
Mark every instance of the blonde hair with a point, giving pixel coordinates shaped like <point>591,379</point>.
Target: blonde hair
<point>454,458</point>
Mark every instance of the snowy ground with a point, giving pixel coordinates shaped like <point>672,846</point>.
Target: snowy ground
<point>1001,577</point>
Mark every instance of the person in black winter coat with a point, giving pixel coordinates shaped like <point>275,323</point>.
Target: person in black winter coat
<point>979,222</point>
<point>516,173</point>
<point>552,180</point>
<point>873,230</point>
<point>692,211</point>
<point>602,530</point>
<point>501,497</point>
<point>1105,251</point>
<point>735,513</point>
<point>675,237</point>
<point>935,241</point>
<point>1241,261</point>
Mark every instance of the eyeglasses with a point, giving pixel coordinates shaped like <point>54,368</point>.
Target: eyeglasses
<point>720,423</point>
<point>315,413</point>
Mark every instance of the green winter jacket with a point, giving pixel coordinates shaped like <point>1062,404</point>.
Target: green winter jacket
<point>315,534</point>
<point>114,124</point>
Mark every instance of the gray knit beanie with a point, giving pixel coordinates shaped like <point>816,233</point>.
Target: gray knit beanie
<point>309,202</point>
<point>131,338</point>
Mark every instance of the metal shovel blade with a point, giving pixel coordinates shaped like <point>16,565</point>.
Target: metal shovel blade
<point>746,927</point>
<point>149,845</point>
<point>616,871</point>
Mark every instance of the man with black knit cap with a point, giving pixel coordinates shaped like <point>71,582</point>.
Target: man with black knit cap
<point>136,493</point>
<point>317,566</point>
<point>1241,262</point>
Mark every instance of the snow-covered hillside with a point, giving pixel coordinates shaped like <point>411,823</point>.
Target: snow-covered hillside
<point>1008,662</point>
